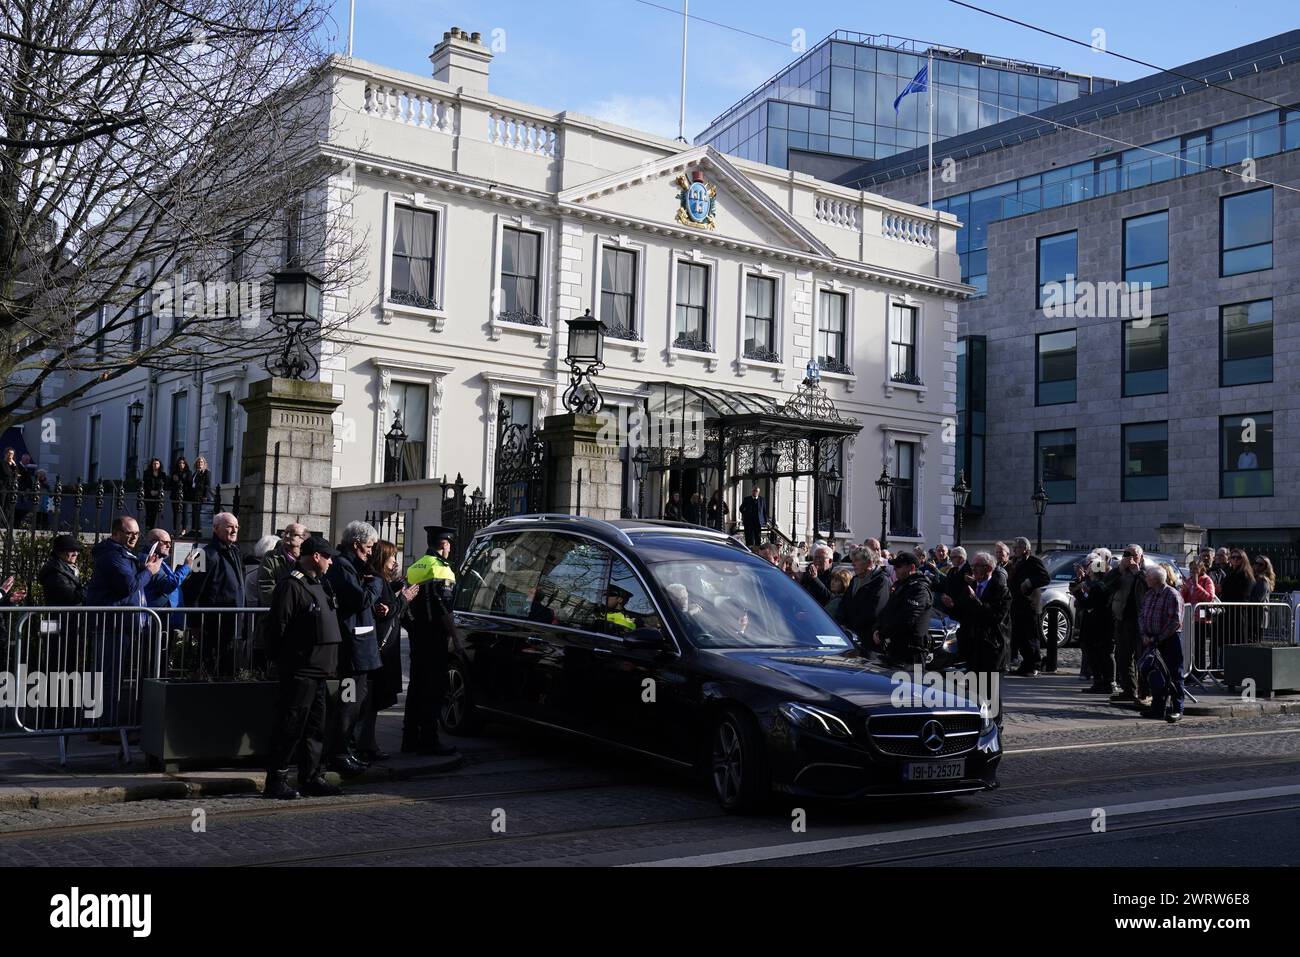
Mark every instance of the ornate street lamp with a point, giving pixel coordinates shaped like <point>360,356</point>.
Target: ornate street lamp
<point>833,485</point>
<point>812,373</point>
<point>885,487</point>
<point>394,442</point>
<point>640,459</point>
<point>767,460</point>
<point>960,496</point>
<point>477,498</point>
<point>586,348</point>
<point>296,305</point>
<point>1040,506</point>
<point>135,413</point>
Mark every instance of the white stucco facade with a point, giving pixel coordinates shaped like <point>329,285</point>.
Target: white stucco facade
<point>494,172</point>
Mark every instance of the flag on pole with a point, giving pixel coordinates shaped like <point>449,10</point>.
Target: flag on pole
<point>919,84</point>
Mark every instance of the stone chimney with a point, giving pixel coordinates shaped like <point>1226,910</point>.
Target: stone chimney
<point>462,60</point>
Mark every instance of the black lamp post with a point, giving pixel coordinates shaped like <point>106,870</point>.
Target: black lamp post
<point>394,442</point>
<point>1040,506</point>
<point>833,485</point>
<point>135,413</point>
<point>640,459</point>
<point>960,496</point>
<point>585,356</point>
<point>885,487</point>
<point>767,460</point>
<point>296,306</point>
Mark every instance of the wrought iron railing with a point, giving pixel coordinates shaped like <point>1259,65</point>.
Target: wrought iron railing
<point>693,343</point>
<point>404,297</point>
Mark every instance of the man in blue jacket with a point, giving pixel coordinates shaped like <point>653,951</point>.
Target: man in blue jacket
<point>119,580</point>
<point>164,590</point>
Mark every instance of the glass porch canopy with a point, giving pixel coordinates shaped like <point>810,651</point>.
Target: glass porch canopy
<point>688,426</point>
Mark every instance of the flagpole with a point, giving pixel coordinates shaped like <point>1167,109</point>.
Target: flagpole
<point>929,92</point>
<point>681,115</point>
<point>352,23</point>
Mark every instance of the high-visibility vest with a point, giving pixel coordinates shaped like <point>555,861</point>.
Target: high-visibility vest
<point>430,568</point>
<point>620,619</point>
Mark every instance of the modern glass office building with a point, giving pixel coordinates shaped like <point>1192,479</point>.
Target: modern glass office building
<point>837,100</point>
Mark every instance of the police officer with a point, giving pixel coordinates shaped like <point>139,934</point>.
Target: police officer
<point>616,610</point>
<point>302,633</point>
<point>430,634</point>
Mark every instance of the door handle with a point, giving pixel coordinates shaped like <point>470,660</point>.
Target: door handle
<point>602,651</point>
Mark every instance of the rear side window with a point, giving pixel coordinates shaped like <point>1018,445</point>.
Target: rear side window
<point>627,606</point>
<point>573,585</point>
<point>502,574</point>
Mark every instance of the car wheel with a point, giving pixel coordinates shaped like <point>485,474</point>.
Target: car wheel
<point>1058,617</point>
<point>738,763</point>
<point>459,716</point>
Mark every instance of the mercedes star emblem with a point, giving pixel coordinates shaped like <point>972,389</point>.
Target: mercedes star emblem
<point>932,736</point>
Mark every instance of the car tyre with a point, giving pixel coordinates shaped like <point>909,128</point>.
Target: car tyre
<point>1064,627</point>
<point>459,716</point>
<point>738,770</point>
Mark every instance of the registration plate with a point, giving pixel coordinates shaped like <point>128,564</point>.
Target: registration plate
<point>935,770</point>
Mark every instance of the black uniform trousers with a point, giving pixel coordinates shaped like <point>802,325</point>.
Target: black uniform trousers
<point>299,724</point>
<point>1025,635</point>
<point>427,686</point>
<point>1100,645</point>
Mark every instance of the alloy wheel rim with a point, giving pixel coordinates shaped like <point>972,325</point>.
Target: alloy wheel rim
<point>728,767</point>
<point>455,697</point>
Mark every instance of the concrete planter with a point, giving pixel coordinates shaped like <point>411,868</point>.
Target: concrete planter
<point>1274,668</point>
<point>209,723</point>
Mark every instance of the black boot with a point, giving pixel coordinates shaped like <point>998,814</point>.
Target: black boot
<point>347,765</point>
<point>277,786</point>
<point>319,787</point>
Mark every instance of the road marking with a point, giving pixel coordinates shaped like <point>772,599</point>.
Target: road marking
<point>1121,744</point>
<point>856,842</point>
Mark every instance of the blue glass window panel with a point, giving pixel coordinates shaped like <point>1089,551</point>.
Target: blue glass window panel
<point>776,147</point>
<point>1247,232</point>
<point>886,134</point>
<point>909,65</point>
<point>946,71</point>
<point>885,93</point>
<point>819,143</point>
<point>841,89</point>
<point>841,127</point>
<point>842,146</point>
<point>945,113</point>
<point>818,122</point>
<point>864,149</point>
<point>1157,275</point>
<point>1249,259</point>
<point>969,76</point>
<point>1293,129</point>
<point>842,54</point>
<point>1146,249</point>
<point>1006,82</point>
<point>979,261</point>
<point>968,116</point>
<point>778,114</point>
<point>798,140</point>
<point>864,58</point>
<point>1046,89</point>
<point>1150,382</point>
<point>864,131</point>
<point>981,284</point>
<point>1009,104</point>
<point>799,119</point>
<point>1027,87</point>
<point>887,62</point>
<point>1266,142</point>
<point>1247,467</point>
<point>1067,90</point>
<point>864,96</point>
<point>988,111</point>
<point>1149,488</point>
<point>1058,257</point>
<point>988,80</point>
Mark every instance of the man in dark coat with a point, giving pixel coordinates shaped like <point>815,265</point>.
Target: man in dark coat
<point>753,513</point>
<point>984,613</point>
<point>903,627</point>
<point>1126,585</point>
<point>816,577</point>
<point>217,581</point>
<point>1028,575</point>
<point>350,577</point>
<point>60,583</point>
<point>1096,625</point>
<point>431,631</point>
<point>866,596</point>
<point>303,636</point>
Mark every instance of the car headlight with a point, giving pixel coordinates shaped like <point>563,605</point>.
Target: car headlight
<point>815,720</point>
<point>986,718</point>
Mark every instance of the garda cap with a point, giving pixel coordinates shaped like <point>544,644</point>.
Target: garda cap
<point>438,534</point>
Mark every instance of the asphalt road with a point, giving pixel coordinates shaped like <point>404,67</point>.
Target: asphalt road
<point>1206,792</point>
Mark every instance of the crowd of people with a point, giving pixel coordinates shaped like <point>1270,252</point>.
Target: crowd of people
<point>186,490</point>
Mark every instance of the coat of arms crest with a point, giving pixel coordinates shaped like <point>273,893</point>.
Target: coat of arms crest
<point>699,201</point>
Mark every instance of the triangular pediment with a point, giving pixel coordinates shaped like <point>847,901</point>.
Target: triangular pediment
<point>737,210</point>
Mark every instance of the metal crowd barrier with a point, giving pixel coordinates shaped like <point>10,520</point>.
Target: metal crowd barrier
<point>1209,627</point>
<point>76,670</point>
<point>81,670</point>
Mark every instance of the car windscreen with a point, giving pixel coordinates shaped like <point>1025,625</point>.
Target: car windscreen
<point>744,604</point>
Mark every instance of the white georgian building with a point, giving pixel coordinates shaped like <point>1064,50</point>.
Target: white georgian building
<point>488,222</point>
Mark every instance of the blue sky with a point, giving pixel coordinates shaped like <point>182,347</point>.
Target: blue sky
<point>620,59</point>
